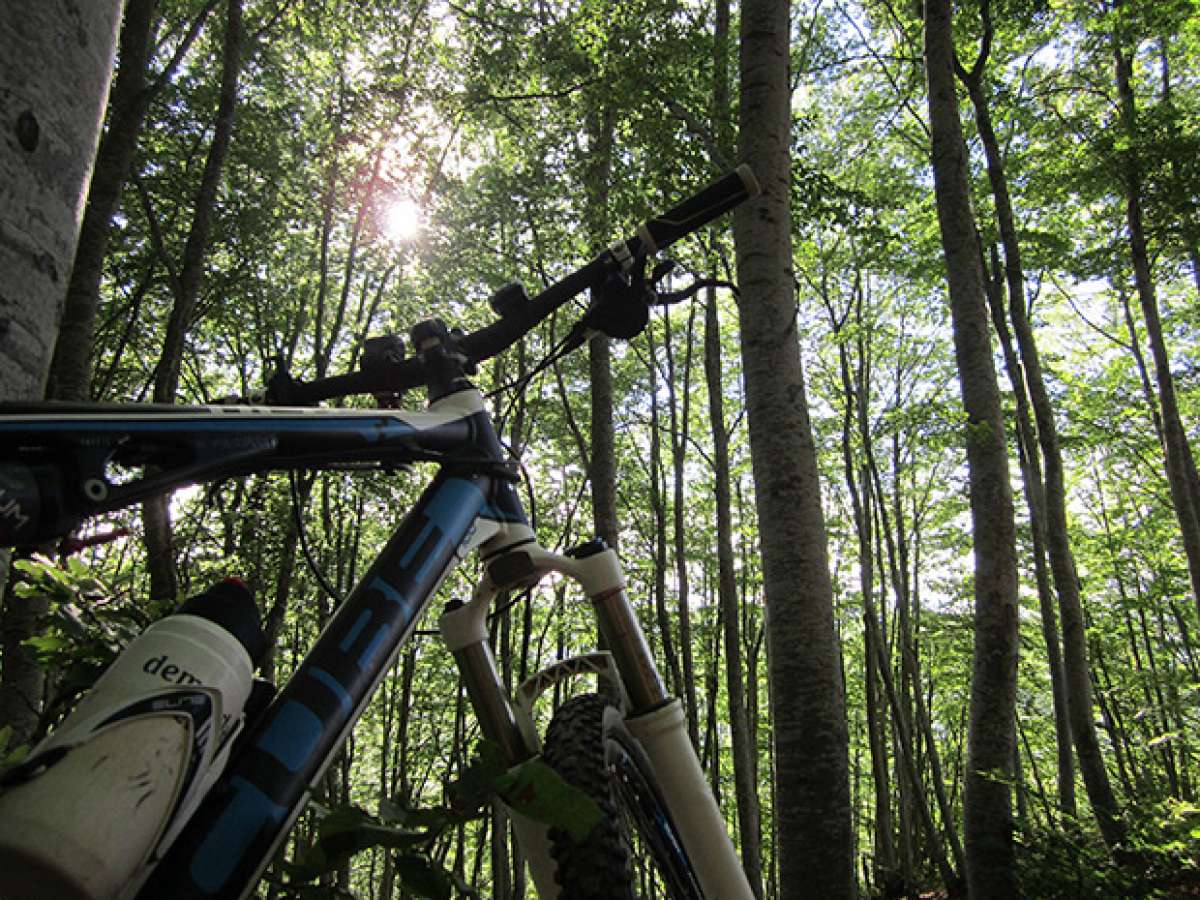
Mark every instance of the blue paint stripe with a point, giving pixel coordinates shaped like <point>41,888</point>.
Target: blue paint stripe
<point>355,630</point>
<point>239,824</point>
<point>390,592</point>
<point>451,510</point>
<point>334,686</point>
<point>292,735</point>
<point>455,505</point>
<point>416,545</point>
<point>420,574</point>
<point>367,657</point>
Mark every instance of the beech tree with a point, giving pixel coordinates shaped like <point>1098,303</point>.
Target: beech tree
<point>56,61</point>
<point>987,809</point>
<point>812,803</point>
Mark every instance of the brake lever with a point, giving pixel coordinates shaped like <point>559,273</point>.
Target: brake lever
<point>620,306</point>
<point>667,298</point>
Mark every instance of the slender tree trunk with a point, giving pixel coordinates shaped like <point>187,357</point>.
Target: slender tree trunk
<point>746,790</point>
<point>741,706</point>
<point>884,864</point>
<point>603,472</point>
<point>70,371</point>
<point>987,809</point>
<point>658,507</point>
<point>1031,477</point>
<point>812,790</point>
<point>191,268</point>
<point>160,555</point>
<point>679,436</point>
<point>1181,465</point>
<point>1062,560</point>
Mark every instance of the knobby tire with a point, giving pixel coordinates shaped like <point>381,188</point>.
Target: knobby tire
<point>594,753</point>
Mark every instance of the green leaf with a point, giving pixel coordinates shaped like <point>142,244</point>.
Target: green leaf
<point>536,791</point>
<point>423,877</point>
<point>10,756</point>
<point>393,812</point>
<point>476,783</point>
<point>343,833</point>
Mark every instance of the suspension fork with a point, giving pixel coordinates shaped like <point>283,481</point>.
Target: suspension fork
<point>513,560</point>
<point>654,718</point>
<point>522,563</point>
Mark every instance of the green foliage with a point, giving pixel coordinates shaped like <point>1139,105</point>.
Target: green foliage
<point>346,831</point>
<point>87,626</point>
<point>10,756</point>
<point>531,789</point>
<point>1160,859</point>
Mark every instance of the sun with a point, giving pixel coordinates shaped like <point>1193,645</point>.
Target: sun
<point>403,219</point>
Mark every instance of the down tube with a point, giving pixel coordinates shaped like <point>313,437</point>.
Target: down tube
<point>234,834</point>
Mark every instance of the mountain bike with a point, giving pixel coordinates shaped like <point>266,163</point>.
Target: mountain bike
<point>627,746</point>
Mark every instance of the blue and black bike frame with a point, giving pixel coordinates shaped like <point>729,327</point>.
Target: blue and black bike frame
<point>233,835</point>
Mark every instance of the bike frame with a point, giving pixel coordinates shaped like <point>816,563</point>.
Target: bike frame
<point>471,505</point>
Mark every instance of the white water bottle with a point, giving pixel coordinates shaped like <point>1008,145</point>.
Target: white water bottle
<point>102,796</point>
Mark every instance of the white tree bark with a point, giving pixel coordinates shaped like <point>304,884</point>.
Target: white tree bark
<point>56,59</point>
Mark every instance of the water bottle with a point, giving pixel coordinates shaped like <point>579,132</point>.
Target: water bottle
<point>99,800</point>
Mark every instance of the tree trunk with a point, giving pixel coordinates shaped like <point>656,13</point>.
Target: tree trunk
<point>812,791</point>
<point>160,555</point>
<point>1031,477</point>
<point>658,508</point>
<point>56,60</point>
<point>679,436</point>
<point>1062,560</point>
<point>603,450</point>
<point>55,64</point>
<point>745,787</point>
<point>191,267</point>
<point>1181,465</point>
<point>987,810</point>
<point>70,371</point>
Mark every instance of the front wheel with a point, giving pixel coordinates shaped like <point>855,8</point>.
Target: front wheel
<point>635,849</point>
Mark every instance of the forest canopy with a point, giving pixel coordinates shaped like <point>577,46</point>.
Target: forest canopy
<point>279,180</point>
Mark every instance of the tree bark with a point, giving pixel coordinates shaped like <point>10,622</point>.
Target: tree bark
<point>987,810</point>
<point>156,512</point>
<point>1076,680</point>
<point>1031,477</point>
<point>812,792</point>
<point>55,64</point>
<point>603,456</point>
<point>56,61</point>
<point>191,267</point>
<point>745,786</point>
<point>679,435</point>
<point>1180,464</point>
<point>658,507</point>
<point>70,370</point>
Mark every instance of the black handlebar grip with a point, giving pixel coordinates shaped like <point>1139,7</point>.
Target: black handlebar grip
<point>698,210</point>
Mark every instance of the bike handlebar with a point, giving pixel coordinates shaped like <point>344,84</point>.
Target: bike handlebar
<point>653,235</point>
